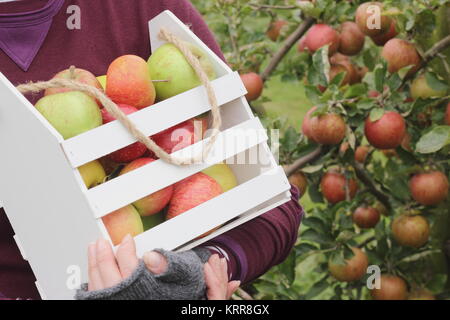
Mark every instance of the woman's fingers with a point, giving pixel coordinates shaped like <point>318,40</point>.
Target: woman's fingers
<point>213,290</point>
<point>95,281</point>
<point>126,257</point>
<point>107,265</point>
<point>155,262</point>
<point>232,287</point>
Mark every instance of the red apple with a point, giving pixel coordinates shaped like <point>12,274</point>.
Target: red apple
<point>411,231</point>
<point>373,94</point>
<point>447,115</point>
<point>122,222</point>
<point>354,268</point>
<point>333,187</point>
<point>366,19</point>
<point>192,192</point>
<point>302,45</point>
<point>361,154</point>
<point>320,35</point>
<point>182,135</point>
<point>131,152</point>
<point>79,75</point>
<point>128,82</point>
<point>391,288</point>
<point>381,39</point>
<point>275,29</point>
<point>254,85</point>
<point>399,54</point>
<point>328,129</point>
<point>429,188</point>
<point>366,217</point>
<point>154,203</point>
<point>352,39</point>
<point>387,132</point>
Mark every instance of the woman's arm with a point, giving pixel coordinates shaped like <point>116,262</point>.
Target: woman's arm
<point>256,246</point>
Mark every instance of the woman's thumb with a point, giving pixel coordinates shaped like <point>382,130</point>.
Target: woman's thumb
<point>155,262</point>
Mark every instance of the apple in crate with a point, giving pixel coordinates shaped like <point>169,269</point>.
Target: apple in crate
<point>128,82</point>
<point>154,203</point>
<point>182,135</point>
<point>123,222</point>
<point>79,75</point>
<point>70,113</point>
<point>153,220</point>
<point>92,173</point>
<point>223,174</point>
<point>168,63</point>
<point>131,152</point>
<point>192,192</point>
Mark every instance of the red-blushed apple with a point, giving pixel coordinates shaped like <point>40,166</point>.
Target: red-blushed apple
<point>430,188</point>
<point>76,74</point>
<point>333,186</point>
<point>366,217</point>
<point>366,19</point>
<point>352,39</point>
<point>301,47</point>
<point>155,202</point>
<point>123,222</point>
<point>420,89</point>
<point>391,288</point>
<point>387,132</point>
<point>373,94</point>
<point>328,129</point>
<point>381,39</point>
<point>447,115</point>
<point>182,135</point>
<point>275,29</point>
<point>131,152</point>
<point>411,230</point>
<point>336,69</point>
<point>353,269</point>
<point>400,54</point>
<point>361,154</point>
<point>223,174</point>
<point>192,192</point>
<point>128,82</point>
<point>299,180</point>
<point>92,173</point>
<point>306,125</point>
<point>70,113</point>
<point>254,85</point>
<point>321,35</point>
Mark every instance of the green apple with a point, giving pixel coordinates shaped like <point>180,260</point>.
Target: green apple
<point>102,80</point>
<point>168,63</point>
<point>421,89</point>
<point>92,173</point>
<point>70,113</point>
<point>152,221</point>
<point>223,174</point>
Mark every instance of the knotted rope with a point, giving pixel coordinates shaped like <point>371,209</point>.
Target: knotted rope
<point>115,111</point>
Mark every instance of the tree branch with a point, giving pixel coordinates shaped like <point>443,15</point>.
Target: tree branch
<point>243,294</point>
<point>430,55</point>
<point>370,184</point>
<point>288,44</point>
<point>301,162</point>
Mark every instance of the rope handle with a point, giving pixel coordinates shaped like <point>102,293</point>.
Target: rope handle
<point>116,112</point>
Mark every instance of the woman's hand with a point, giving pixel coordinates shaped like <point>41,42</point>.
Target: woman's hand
<point>107,270</point>
<point>216,277</point>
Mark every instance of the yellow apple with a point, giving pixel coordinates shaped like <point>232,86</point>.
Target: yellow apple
<point>223,174</point>
<point>92,173</point>
<point>102,80</point>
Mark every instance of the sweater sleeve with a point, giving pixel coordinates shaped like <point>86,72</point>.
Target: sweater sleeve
<point>254,247</point>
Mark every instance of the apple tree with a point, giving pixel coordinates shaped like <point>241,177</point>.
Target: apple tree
<point>372,155</point>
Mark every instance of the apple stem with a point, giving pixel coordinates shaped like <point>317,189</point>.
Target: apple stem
<point>72,72</point>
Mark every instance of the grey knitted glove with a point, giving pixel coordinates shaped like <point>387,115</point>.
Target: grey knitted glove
<point>183,280</point>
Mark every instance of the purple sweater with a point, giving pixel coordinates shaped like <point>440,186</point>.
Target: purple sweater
<point>35,43</point>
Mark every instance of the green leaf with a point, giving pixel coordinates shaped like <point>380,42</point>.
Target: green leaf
<point>435,83</point>
<point>356,90</point>
<point>379,77</point>
<point>376,114</point>
<point>315,237</point>
<point>317,289</point>
<point>337,80</point>
<point>287,268</point>
<point>313,94</point>
<point>321,64</point>
<point>434,140</point>
<point>314,223</point>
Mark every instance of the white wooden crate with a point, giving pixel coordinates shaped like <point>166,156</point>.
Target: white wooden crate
<point>55,217</point>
